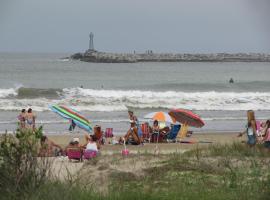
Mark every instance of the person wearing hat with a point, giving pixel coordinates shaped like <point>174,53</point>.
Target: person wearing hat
<point>74,144</point>
<point>132,136</point>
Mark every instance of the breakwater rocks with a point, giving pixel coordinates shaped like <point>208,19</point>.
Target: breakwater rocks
<point>103,57</point>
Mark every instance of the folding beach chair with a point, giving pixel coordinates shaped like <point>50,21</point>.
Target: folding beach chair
<point>171,136</point>
<point>89,154</point>
<point>108,135</point>
<point>109,132</point>
<point>74,153</point>
<point>145,132</point>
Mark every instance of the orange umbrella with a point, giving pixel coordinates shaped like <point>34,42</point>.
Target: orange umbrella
<point>161,117</point>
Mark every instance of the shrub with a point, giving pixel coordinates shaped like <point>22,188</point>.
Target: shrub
<point>21,170</point>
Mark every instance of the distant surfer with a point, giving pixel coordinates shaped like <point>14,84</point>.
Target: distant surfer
<point>81,86</point>
<point>231,80</point>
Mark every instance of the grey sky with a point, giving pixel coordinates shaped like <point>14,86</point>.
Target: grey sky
<point>127,25</point>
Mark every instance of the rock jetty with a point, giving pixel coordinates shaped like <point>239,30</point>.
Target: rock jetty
<point>149,56</point>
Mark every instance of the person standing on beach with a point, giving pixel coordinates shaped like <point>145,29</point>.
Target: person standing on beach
<point>250,128</point>
<point>266,136</point>
<point>21,118</point>
<point>30,119</point>
<point>72,126</point>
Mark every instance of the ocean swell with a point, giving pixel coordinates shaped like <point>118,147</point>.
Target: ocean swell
<point>120,100</point>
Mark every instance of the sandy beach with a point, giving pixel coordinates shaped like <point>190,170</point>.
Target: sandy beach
<point>141,157</point>
<point>196,140</point>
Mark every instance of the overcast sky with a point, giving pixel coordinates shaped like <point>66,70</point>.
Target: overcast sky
<point>191,26</point>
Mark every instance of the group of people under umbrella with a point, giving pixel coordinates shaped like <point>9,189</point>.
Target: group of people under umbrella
<point>180,118</point>
<point>137,133</point>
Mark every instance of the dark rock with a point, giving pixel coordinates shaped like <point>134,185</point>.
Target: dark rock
<point>77,56</point>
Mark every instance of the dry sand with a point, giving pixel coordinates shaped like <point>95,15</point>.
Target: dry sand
<point>110,161</point>
<point>199,139</point>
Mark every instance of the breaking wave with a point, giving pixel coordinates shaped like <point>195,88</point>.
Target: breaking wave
<point>120,100</point>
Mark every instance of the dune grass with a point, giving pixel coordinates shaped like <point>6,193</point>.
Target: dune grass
<point>217,172</point>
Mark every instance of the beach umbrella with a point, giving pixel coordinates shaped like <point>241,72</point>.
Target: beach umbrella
<point>71,114</point>
<point>186,117</point>
<point>161,117</point>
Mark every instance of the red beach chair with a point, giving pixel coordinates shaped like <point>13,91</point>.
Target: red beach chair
<point>146,132</point>
<point>89,154</point>
<point>109,133</point>
<point>74,154</point>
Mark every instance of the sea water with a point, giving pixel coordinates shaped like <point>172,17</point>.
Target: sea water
<point>104,92</point>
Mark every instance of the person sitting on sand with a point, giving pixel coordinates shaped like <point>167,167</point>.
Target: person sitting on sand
<point>21,118</point>
<point>30,119</point>
<point>74,144</point>
<point>48,147</point>
<point>266,135</point>
<point>91,145</point>
<point>250,128</point>
<point>132,117</point>
<point>132,136</point>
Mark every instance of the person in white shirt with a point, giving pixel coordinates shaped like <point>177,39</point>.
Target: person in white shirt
<point>91,143</point>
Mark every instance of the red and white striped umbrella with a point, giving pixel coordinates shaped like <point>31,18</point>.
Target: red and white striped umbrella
<point>160,116</point>
<point>186,117</point>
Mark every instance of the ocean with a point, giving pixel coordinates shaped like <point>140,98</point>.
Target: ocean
<point>104,92</point>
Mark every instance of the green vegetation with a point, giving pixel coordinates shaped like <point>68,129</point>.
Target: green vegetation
<point>216,172</point>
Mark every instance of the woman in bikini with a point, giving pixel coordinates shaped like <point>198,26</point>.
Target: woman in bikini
<point>30,119</point>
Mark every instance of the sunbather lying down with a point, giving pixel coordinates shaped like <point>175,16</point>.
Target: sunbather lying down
<point>132,136</point>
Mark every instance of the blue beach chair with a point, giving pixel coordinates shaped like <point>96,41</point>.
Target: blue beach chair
<point>171,136</point>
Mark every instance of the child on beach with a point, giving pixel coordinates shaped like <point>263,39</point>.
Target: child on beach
<point>155,131</point>
<point>30,119</point>
<point>250,128</point>
<point>72,126</point>
<point>21,118</point>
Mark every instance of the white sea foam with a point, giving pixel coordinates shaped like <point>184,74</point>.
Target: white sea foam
<point>120,100</point>
<point>8,92</point>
